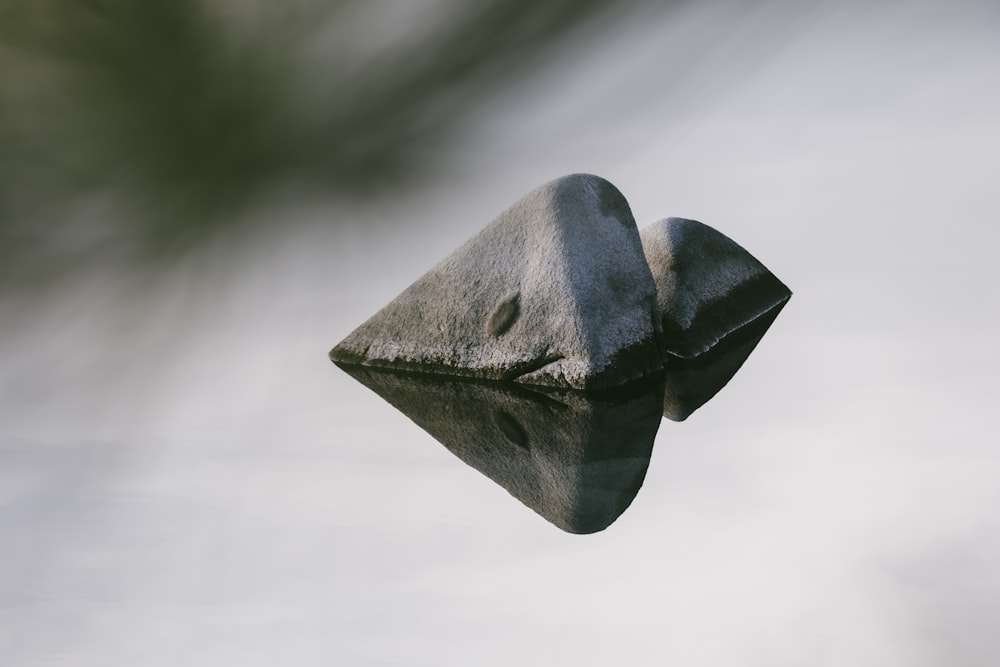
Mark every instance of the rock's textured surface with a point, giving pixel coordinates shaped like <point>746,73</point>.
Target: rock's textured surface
<point>576,459</point>
<point>708,287</point>
<point>556,291</point>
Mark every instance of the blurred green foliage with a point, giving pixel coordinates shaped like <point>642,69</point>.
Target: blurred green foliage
<point>182,113</point>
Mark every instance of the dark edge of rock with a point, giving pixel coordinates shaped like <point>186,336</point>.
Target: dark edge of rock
<point>760,295</point>
<point>623,391</point>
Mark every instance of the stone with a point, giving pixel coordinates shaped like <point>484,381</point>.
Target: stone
<point>578,459</point>
<point>555,291</point>
<point>708,287</point>
<point>715,302</point>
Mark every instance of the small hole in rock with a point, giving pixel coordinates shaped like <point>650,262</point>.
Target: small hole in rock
<point>504,315</point>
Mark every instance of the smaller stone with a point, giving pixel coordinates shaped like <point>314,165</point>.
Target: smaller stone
<point>715,302</point>
<point>707,286</point>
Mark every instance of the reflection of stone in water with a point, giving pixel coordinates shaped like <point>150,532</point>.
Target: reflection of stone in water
<point>690,383</point>
<point>576,459</point>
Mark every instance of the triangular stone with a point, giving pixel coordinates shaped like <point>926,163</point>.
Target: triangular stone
<point>708,287</point>
<point>577,459</point>
<point>555,291</point>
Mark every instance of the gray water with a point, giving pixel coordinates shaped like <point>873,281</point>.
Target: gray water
<point>188,480</point>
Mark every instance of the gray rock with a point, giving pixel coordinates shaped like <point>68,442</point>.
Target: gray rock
<point>708,287</point>
<point>715,302</point>
<point>555,291</point>
<point>577,459</point>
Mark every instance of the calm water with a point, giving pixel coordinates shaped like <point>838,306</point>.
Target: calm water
<point>190,481</point>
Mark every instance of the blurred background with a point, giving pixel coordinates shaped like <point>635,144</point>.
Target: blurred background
<point>199,198</point>
<point>151,129</point>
